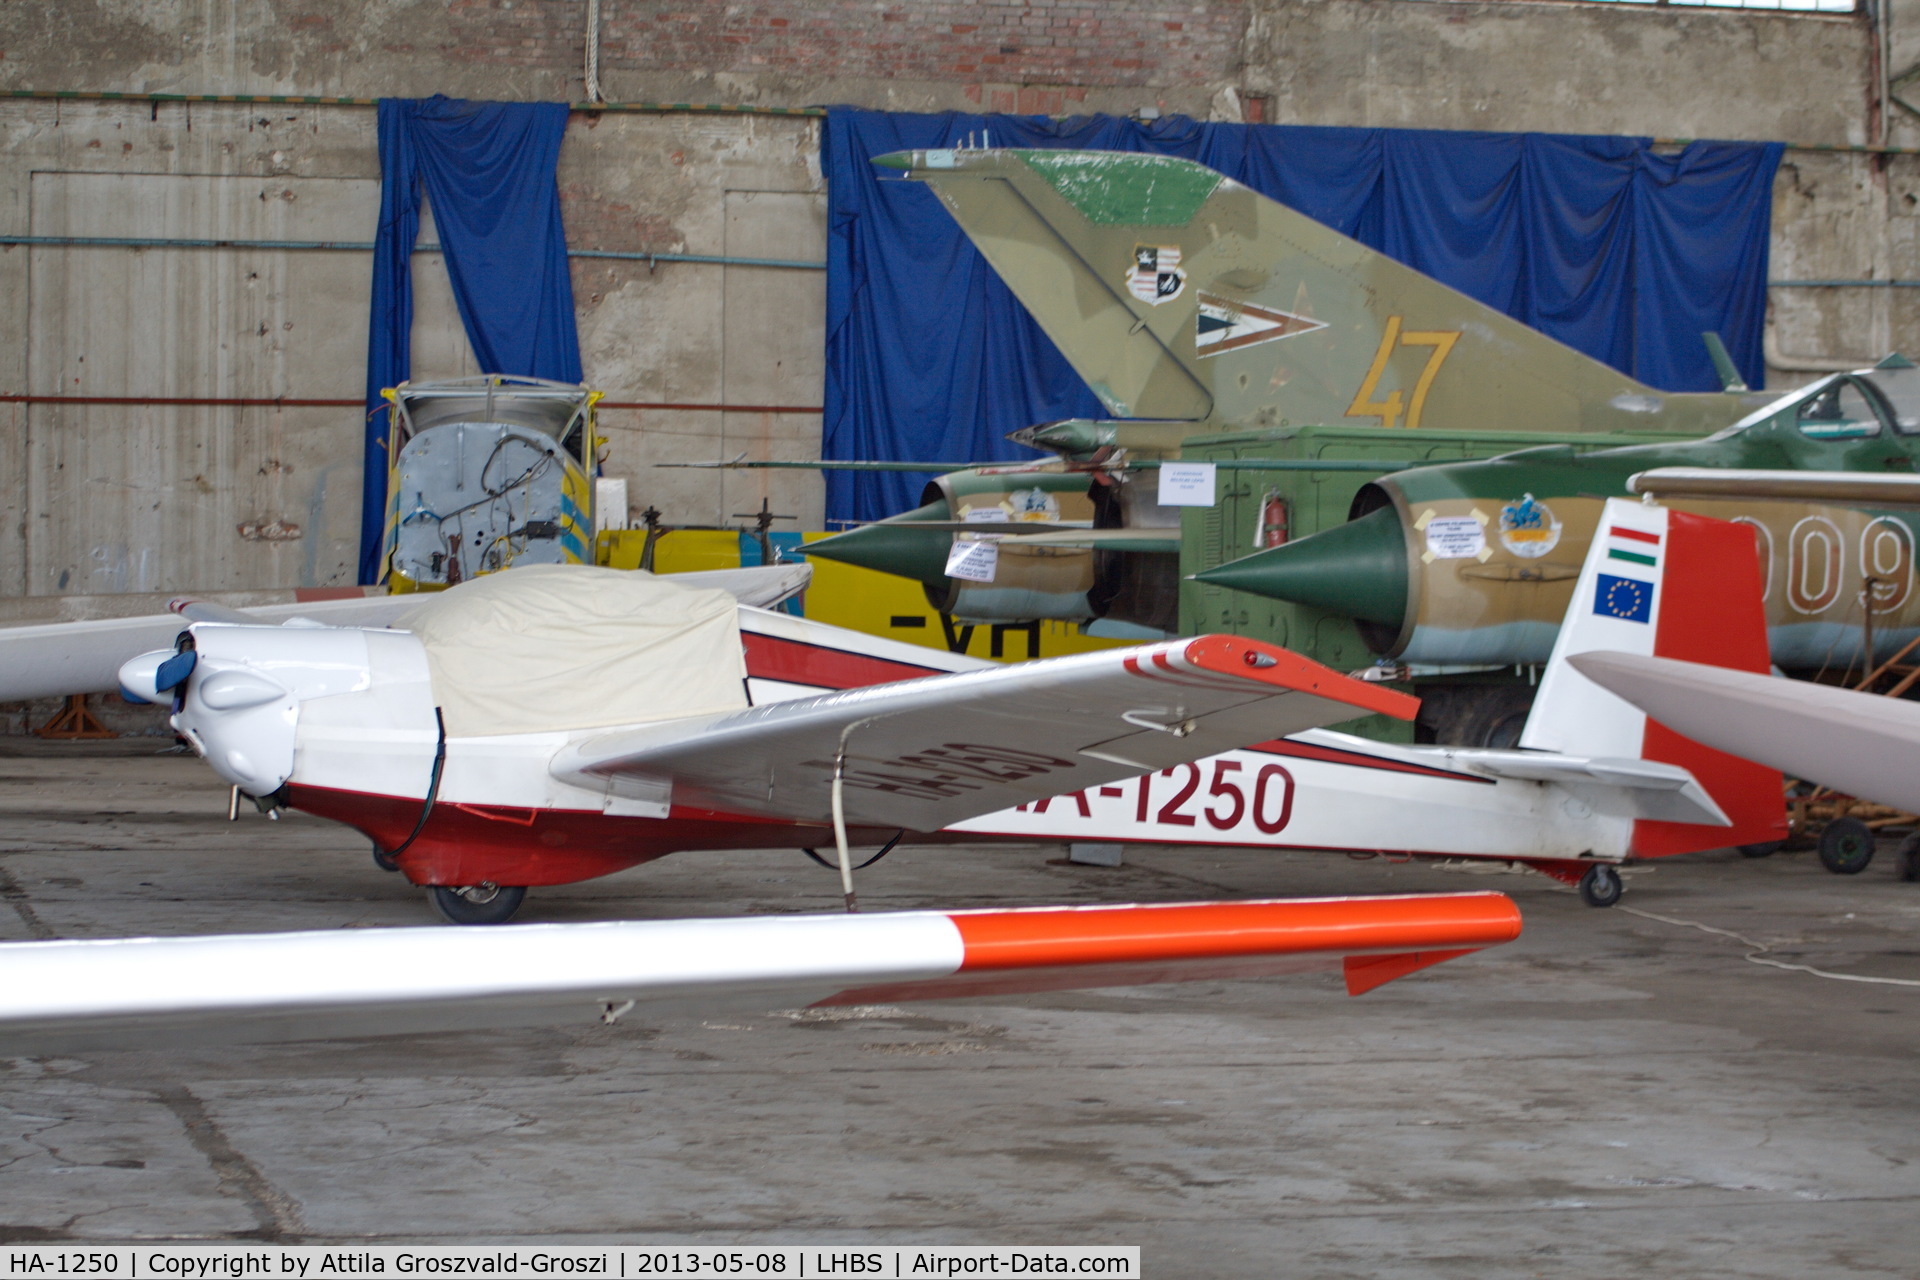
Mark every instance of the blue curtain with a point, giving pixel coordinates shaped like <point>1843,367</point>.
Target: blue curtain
<point>487,169</point>
<point>1600,242</point>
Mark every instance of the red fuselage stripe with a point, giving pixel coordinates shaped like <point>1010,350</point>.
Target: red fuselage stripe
<point>1637,535</point>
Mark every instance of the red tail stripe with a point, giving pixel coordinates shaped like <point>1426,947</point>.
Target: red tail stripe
<point>1637,535</point>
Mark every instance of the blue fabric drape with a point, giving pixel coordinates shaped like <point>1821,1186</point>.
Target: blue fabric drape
<point>487,169</point>
<point>1620,252</point>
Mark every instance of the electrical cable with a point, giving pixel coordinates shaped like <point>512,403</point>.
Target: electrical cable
<point>1756,956</point>
<point>387,859</point>
<point>885,849</point>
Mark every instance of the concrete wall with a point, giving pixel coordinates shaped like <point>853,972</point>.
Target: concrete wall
<point>148,497</point>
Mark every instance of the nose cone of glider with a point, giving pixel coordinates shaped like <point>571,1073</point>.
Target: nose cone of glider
<point>140,677</point>
<point>894,546</point>
<point>1358,569</point>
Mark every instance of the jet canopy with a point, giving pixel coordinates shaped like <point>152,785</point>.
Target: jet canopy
<point>1847,406</point>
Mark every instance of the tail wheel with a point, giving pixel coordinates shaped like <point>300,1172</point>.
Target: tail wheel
<point>1764,850</point>
<point>1600,887</point>
<point>483,903</point>
<point>1846,846</point>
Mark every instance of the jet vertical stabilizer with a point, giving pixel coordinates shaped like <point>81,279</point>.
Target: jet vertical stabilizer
<point>1177,293</point>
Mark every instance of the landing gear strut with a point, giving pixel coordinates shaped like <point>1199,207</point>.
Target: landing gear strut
<point>483,903</point>
<point>1600,887</point>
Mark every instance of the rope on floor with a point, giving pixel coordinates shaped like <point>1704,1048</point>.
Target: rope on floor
<point>1757,957</point>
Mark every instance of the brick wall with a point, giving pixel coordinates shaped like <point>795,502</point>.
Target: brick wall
<point>1080,43</point>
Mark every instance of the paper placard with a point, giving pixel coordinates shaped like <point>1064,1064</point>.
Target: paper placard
<point>1455,538</point>
<point>1186,484</point>
<point>973,560</point>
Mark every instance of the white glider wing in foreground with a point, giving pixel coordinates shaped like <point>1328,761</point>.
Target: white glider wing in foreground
<point>1859,743</point>
<point>920,754</point>
<point>140,993</point>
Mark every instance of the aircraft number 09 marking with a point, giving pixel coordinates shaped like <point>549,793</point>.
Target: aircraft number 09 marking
<point>1389,410</point>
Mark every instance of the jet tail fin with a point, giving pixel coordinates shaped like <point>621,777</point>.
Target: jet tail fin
<point>1672,585</point>
<point>1180,294</point>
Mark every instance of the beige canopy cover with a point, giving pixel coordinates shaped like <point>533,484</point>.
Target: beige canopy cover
<point>567,646</point>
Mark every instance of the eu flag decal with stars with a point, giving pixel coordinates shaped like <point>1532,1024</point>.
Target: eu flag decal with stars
<point>1627,599</point>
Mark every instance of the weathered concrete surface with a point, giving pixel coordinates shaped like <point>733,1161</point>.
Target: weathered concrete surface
<point>1608,1096</point>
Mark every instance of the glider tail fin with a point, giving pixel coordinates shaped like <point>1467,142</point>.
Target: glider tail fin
<point>1672,585</point>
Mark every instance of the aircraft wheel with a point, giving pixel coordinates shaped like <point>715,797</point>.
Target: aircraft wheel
<point>483,903</point>
<point>1765,849</point>
<point>1600,887</point>
<point>1846,846</point>
<point>1907,860</point>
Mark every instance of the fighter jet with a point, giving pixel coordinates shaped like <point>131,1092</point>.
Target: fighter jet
<point>1194,306</point>
<point>1474,562</point>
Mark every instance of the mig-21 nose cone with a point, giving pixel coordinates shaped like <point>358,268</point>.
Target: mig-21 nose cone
<point>1358,569</point>
<point>894,545</point>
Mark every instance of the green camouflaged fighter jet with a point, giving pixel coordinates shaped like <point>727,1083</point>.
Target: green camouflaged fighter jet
<point>1474,562</point>
<point>1195,306</point>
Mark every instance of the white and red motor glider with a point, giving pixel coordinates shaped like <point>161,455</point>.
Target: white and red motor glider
<point>558,723</point>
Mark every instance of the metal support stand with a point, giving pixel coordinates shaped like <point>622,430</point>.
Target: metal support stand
<point>840,829</point>
<point>74,722</point>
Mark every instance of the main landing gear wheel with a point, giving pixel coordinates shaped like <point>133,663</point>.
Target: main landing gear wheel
<point>1600,887</point>
<point>1764,850</point>
<point>484,903</point>
<point>1846,846</point>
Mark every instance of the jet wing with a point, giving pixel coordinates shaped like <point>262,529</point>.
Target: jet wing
<point>54,659</point>
<point>1133,539</point>
<point>142,993</point>
<point>921,754</point>
<point>1858,743</point>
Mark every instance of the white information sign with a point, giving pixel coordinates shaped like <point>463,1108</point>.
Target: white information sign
<point>1455,538</point>
<point>1187,484</point>
<point>973,560</point>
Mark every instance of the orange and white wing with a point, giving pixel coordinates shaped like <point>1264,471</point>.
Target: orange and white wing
<point>141,993</point>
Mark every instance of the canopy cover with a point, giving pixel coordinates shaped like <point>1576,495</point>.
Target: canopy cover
<point>566,646</point>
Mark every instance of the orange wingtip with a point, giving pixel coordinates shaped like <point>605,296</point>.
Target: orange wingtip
<point>1375,940</point>
<point>1054,936</point>
<point>1270,664</point>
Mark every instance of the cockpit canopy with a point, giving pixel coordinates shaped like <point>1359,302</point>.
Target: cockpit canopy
<point>1848,406</point>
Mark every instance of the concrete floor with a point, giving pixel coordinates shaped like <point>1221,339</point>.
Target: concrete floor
<point>1611,1094</point>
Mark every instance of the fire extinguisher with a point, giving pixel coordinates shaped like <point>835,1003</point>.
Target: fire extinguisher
<point>1274,522</point>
